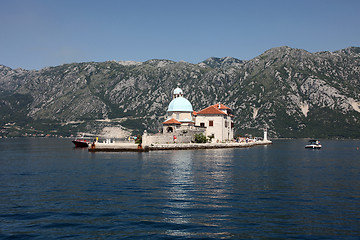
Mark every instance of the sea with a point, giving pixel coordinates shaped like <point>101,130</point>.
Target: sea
<point>51,190</point>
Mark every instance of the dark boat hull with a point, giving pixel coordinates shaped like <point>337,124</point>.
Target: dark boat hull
<point>81,143</point>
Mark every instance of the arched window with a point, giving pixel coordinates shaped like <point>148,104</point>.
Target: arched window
<point>169,129</point>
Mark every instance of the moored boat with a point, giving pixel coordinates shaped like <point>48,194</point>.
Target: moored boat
<point>81,142</point>
<point>314,144</point>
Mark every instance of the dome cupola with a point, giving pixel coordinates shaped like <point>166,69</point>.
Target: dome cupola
<point>178,92</point>
<point>179,103</point>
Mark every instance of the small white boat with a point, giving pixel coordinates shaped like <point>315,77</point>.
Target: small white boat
<point>314,144</point>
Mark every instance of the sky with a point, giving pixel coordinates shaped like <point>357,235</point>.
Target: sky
<point>39,33</point>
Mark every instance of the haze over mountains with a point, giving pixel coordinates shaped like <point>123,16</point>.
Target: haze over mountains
<point>292,92</point>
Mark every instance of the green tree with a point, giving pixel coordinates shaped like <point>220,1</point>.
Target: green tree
<point>211,137</point>
<point>200,138</point>
<point>138,139</point>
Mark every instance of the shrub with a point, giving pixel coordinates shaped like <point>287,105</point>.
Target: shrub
<point>200,138</point>
<point>138,139</point>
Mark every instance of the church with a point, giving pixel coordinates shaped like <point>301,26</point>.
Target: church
<point>182,122</point>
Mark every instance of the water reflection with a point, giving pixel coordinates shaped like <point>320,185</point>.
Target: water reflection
<point>198,190</point>
<point>180,187</point>
<point>214,178</point>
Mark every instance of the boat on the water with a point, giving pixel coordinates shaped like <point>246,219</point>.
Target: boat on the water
<point>82,142</point>
<point>314,144</point>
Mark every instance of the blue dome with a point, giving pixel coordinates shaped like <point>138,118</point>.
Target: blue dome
<point>180,104</point>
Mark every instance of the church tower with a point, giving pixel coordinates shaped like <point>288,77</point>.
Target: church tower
<point>179,112</point>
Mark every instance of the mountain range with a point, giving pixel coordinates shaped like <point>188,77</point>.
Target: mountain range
<point>291,92</point>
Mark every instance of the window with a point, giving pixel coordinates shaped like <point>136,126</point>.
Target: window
<point>211,123</point>
<point>226,124</point>
<point>202,124</point>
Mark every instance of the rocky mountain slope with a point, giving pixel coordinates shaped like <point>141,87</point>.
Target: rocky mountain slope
<point>292,92</point>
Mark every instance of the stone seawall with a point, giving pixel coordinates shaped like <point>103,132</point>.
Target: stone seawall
<point>115,147</point>
<point>186,146</point>
<point>131,147</point>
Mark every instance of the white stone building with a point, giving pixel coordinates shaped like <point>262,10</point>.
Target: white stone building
<point>218,121</point>
<point>182,122</point>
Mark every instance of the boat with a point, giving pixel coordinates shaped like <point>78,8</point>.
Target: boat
<point>82,142</point>
<point>314,144</point>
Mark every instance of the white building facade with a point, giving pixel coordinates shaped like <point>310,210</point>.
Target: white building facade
<point>182,122</point>
<point>218,121</point>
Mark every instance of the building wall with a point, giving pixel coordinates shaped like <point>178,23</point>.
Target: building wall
<point>221,126</point>
<point>183,134</point>
<point>179,115</point>
<point>178,127</point>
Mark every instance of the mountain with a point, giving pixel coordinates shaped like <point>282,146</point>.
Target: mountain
<point>292,92</point>
<point>225,62</point>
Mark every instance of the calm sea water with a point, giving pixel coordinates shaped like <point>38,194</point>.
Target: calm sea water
<point>50,190</point>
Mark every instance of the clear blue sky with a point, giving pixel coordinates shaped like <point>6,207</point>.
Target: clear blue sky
<point>39,33</point>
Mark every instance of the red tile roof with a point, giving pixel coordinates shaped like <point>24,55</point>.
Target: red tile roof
<point>222,106</point>
<point>213,110</point>
<point>171,121</point>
